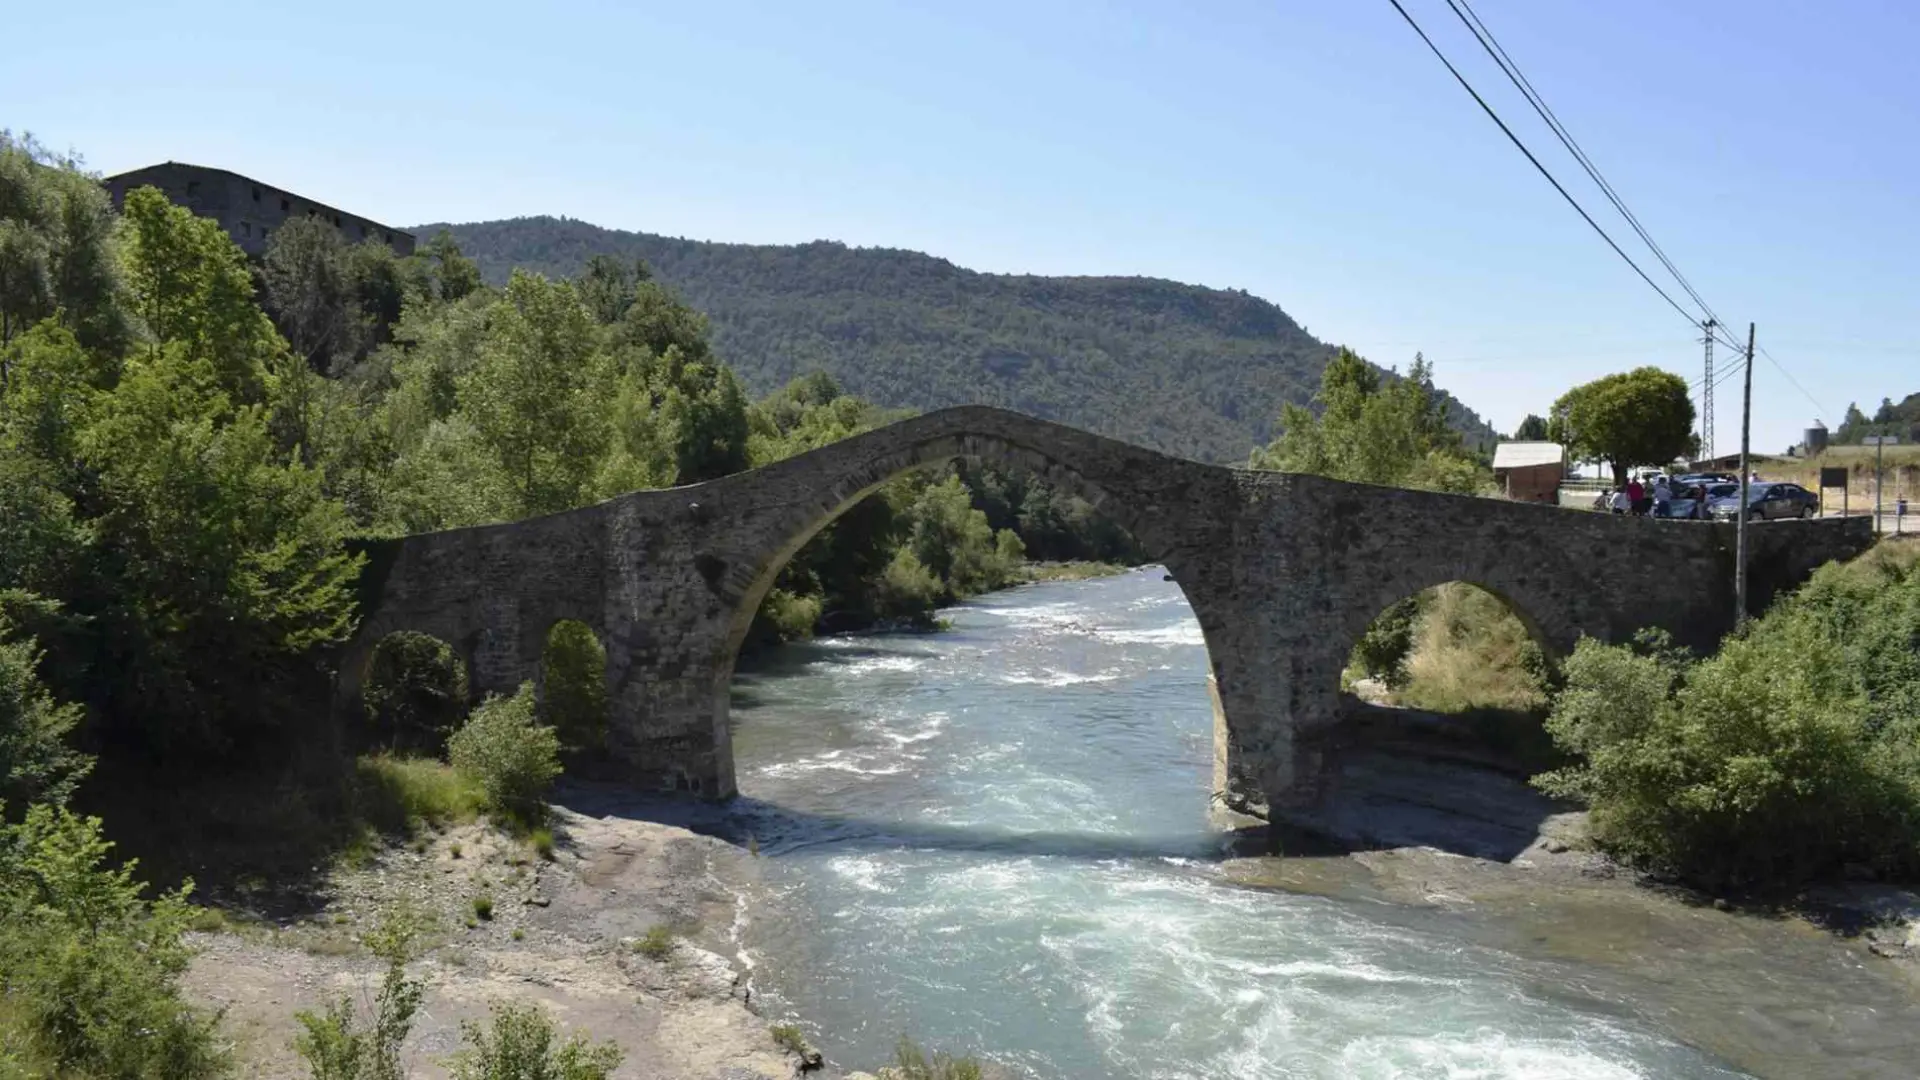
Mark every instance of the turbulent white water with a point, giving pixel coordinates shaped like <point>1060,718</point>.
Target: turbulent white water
<point>996,839</point>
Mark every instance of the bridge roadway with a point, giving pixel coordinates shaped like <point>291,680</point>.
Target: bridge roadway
<point>1284,572</point>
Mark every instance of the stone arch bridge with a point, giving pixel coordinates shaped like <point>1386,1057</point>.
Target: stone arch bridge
<point>1283,571</point>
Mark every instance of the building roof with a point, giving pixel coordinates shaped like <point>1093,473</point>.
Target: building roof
<point>329,207</point>
<point>1520,455</point>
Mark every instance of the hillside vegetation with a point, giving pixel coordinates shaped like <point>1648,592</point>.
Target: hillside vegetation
<point>1193,371</point>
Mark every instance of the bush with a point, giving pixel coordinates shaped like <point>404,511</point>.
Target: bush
<point>396,792</point>
<point>656,943</point>
<point>1381,653</point>
<point>574,686</point>
<point>907,587</point>
<point>337,1045</point>
<point>522,1045</point>
<point>1791,754</point>
<point>912,1063</point>
<point>790,1038</point>
<point>415,692</point>
<point>513,756</point>
<point>91,971</point>
<point>542,842</point>
<point>36,764</point>
<point>791,616</point>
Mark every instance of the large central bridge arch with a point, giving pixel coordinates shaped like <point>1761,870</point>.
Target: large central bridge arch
<point>1282,572</point>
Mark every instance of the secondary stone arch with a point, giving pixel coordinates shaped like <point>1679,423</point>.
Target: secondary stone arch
<point>1534,594</point>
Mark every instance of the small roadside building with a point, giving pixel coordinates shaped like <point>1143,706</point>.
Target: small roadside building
<point>1530,471</point>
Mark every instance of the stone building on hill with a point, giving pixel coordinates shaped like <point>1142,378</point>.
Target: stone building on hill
<point>249,210</point>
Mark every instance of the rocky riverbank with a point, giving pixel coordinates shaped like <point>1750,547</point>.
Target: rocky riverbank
<point>567,933</point>
<point>1439,831</point>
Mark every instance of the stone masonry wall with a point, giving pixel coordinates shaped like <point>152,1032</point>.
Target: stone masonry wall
<point>1283,572</point>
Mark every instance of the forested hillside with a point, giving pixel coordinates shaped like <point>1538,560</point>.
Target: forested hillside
<point>1193,371</point>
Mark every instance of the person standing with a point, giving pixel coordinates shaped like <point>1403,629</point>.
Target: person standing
<point>1662,495</point>
<point>1636,492</point>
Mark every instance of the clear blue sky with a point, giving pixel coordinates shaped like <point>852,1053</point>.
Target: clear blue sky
<point>1310,151</point>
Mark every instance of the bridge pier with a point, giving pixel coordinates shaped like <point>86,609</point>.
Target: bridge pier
<point>663,734</point>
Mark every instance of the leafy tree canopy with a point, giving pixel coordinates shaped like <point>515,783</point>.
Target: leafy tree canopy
<point>1638,417</point>
<point>1374,429</point>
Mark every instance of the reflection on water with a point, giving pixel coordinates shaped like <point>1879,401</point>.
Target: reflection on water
<point>996,839</point>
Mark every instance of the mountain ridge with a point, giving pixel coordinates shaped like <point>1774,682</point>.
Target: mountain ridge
<point>1187,369</point>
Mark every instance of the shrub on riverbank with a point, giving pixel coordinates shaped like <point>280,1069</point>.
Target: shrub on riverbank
<point>514,757</point>
<point>522,1043</point>
<point>912,1063</point>
<point>1791,754</point>
<point>90,972</point>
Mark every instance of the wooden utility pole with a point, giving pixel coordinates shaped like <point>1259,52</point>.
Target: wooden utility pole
<point>1746,509</point>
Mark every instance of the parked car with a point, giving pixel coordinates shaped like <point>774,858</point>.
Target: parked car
<point>1706,478</point>
<point>1690,501</point>
<point>1766,502</point>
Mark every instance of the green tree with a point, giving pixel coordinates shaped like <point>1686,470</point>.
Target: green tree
<point>513,756</point>
<point>454,275</point>
<point>381,283</point>
<point>705,410</point>
<point>1853,427</point>
<point>607,286</point>
<point>36,764</point>
<point>57,254</point>
<point>1373,429</point>
<point>1532,429</point>
<point>212,546</point>
<point>531,395</point>
<point>573,686</point>
<point>311,292</point>
<point>190,286</point>
<point>415,692</point>
<point>1638,417</point>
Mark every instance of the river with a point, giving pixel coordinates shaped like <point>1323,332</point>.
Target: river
<point>996,839</point>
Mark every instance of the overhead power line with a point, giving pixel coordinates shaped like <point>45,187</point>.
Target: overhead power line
<point>1796,382</point>
<point>1712,325</point>
<point>1542,169</point>
<point>1463,9</point>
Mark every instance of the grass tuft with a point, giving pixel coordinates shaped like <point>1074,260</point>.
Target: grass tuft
<point>541,840</point>
<point>912,1063</point>
<point>1470,653</point>
<point>399,793</point>
<point>789,1037</point>
<point>483,907</point>
<point>655,944</point>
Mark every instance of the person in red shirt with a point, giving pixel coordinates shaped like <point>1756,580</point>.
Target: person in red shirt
<point>1636,494</point>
